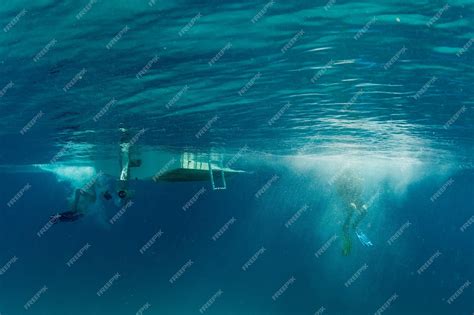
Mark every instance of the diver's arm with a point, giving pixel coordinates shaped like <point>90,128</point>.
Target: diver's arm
<point>362,212</point>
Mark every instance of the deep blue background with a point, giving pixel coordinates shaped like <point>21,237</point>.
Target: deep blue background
<point>217,264</point>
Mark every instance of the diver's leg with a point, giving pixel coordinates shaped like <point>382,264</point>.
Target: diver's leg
<point>124,155</point>
<point>90,197</point>
<point>362,212</point>
<point>124,161</point>
<point>346,235</point>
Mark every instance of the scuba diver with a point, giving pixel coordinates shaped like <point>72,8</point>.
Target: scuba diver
<point>348,187</point>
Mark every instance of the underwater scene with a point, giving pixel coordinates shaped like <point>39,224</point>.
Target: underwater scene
<point>236,157</point>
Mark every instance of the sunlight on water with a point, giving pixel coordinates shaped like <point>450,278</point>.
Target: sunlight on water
<point>77,176</point>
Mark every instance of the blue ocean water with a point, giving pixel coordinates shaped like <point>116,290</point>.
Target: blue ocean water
<point>327,105</point>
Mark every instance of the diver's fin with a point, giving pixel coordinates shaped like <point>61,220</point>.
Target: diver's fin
<point>363,238</point>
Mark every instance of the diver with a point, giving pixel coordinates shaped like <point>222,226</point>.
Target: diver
<point>85,198</point>
<point>349,188</point>
<point>125,164</point>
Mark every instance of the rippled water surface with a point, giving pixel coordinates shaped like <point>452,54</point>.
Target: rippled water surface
<point>361,76</point>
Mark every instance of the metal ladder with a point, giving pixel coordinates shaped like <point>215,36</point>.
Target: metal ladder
<point>211,174</point>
